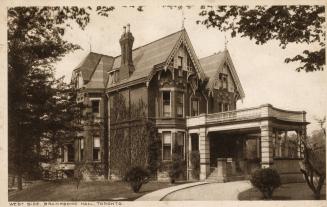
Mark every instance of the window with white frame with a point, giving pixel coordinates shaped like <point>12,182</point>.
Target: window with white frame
<point>166,102</point>
<point>179,144</point>
<point>81,149</point>
<point>189,64</point>
<point>226,107</point>
<point>96,148</point>
<point>223,80</point>
<point>79,81</point>
<point>220,107</point>
<point>180,66</point>
<point>113,77</point>
<point>95,105</point>
<point>180,62</point>
<point>69,153</point>
<point>194,107</point>
<point>179,104</point>
<point>166,145</point>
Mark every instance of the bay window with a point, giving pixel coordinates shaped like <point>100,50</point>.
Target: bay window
<point>179,104</point>
<point>166,102</point>
<point>166,145</point>
<point>179,144</point>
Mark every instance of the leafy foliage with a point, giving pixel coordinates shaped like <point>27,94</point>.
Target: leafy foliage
<point>133,137</point>
<point>195,162</point>
<point>35,42</point>
<point>177,166</point>
<point>286,24</point>
<point>266,180</point>
<point>313,167</point>
<point>137,176</point>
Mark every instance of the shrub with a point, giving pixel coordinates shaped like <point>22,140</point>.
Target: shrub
<point>266,180</point>
<point>136,177</point>
<point>195,162</point>
<point>176,167</point>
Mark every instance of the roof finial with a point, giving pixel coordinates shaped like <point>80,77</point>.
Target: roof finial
<point>183,20</point>
<point>226,42</point>
<point>90,45</point>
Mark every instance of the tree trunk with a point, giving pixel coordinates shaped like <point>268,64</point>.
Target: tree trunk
<point>317,195</point>
<point>20,182</point>
<point>13,180</point>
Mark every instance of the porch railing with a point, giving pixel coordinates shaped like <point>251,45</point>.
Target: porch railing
<point>263,111</point>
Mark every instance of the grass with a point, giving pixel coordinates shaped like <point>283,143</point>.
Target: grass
<point>290,191</point>
<point>87,191</point>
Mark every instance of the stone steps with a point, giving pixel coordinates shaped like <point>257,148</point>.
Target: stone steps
<point>213,177</point>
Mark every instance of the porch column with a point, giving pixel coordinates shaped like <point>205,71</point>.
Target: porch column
<point>299,143</point>
<point>189,163</point>
<point>204,154</point>
<point>266,144</point>
<point>301,135</point>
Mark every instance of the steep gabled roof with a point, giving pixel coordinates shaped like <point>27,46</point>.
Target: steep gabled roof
<point>211,66</point>
<point>149,55</point>
<point>185,40</point>
<point>107,66</point>
<point>146,57</point>
<point>90,63</point>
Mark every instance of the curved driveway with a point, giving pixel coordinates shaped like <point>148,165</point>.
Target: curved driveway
<point>211,191</point>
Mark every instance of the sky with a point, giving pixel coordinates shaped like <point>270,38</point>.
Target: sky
<point>264,75</point>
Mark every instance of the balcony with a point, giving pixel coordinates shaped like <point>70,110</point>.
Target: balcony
<point>261,112</point>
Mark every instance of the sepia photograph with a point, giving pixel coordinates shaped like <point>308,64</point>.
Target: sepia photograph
<point>165,101</point>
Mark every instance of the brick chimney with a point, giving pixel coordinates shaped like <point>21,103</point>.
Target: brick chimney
<point>126,44</point>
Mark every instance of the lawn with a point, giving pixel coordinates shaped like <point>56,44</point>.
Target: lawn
<point>87,191</point>
<point>291,191</point>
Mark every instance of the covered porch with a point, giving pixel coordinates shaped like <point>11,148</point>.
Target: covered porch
<point>231,144</point>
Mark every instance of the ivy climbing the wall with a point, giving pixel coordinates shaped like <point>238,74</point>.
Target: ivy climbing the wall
<point>133,137</point>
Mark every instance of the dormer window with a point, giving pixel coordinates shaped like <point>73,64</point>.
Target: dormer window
<point>189,64</point>
<point>223,80</point>
<point>180,66</point>
<point>194,107</point>
<point>180,62</point>
<point>79,81</point>
<point>113,77</point>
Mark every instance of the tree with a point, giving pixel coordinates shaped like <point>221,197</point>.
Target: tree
<point>35,42</point>
<point>266,180</point>
<point>286,24</point>
<point>313,167</point>
<point>63,119</point>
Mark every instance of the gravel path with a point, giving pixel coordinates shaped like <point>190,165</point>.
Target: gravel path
<point>207,192</point>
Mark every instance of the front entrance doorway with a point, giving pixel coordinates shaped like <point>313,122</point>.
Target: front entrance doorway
<point>242,151</point>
